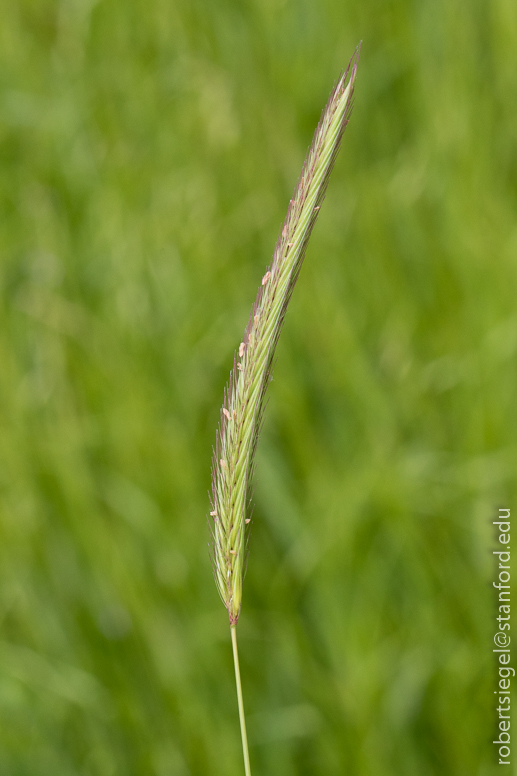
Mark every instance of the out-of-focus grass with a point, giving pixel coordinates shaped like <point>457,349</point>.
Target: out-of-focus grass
<point>148,152</point>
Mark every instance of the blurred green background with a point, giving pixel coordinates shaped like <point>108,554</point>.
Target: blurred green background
<point>148,151</point>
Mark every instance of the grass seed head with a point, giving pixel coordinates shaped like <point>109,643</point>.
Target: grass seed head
<point>236,441</point>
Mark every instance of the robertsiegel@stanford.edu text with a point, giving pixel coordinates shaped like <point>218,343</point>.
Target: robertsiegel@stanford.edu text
<point>502,638</point>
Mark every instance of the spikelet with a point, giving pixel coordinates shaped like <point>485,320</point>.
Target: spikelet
<point>241,415</point>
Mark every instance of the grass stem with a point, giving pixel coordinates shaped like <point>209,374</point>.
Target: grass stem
<point>247,769</point>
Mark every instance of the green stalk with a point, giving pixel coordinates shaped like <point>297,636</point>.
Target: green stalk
<point>247,769</point>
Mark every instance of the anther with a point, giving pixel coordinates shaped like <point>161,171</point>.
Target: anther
<point>241,349</point>
<point>226,413</point>
<point>266,278</point>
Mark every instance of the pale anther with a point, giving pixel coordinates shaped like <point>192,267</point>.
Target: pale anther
<point>266,278</point>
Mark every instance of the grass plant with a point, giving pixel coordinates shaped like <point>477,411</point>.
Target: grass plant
<point>148,152</point>
<point>241,414</point>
